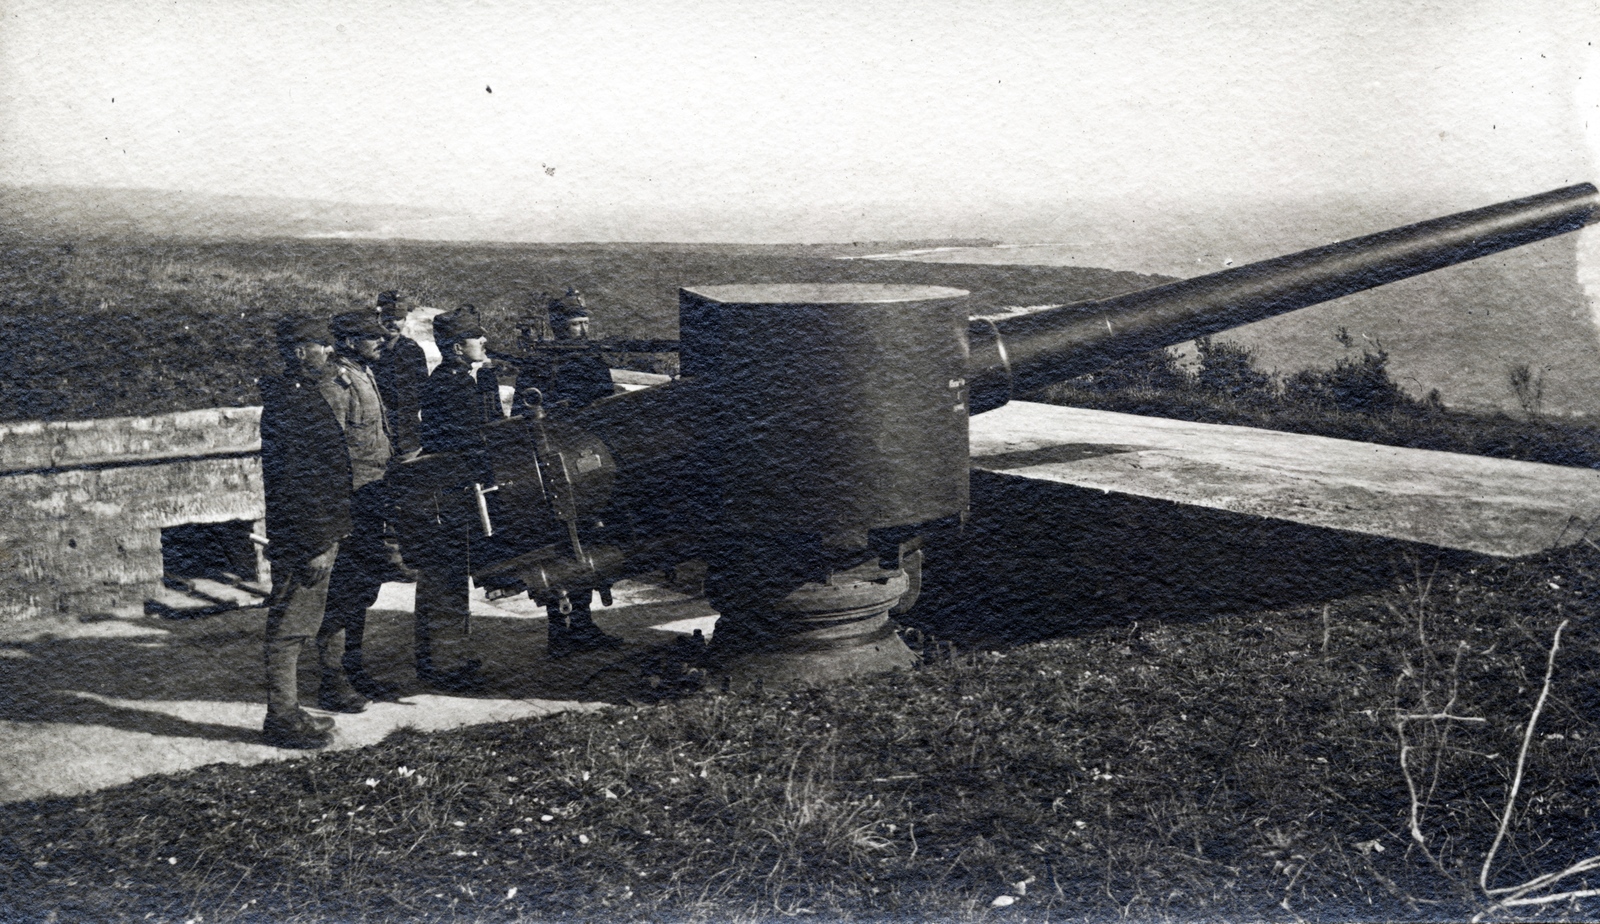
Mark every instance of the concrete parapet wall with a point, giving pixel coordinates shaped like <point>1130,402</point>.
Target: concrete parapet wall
<point>83,503</point>
<point>33,445</point>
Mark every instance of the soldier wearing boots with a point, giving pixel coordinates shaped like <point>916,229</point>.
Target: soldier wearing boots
<point>306,473</point>
<point>401,369</point>
<point>568,375</point>
<point>364,558</point>
<point>458,401</point>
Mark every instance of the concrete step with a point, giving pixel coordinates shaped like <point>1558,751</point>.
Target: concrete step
<point>240,594</point>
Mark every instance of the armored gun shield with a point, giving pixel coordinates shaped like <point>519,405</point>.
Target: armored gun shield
<point>543,524</point>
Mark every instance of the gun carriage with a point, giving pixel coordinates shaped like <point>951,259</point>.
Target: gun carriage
<point>818,432</point>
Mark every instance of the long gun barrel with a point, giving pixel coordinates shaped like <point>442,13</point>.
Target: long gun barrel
<point>1023,353</point>
<point>819,430</point>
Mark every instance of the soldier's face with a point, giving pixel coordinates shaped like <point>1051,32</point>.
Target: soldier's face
<point>366,347</point>
<point>473,349</point>
<point>393,323</point>
<point>313,356</point>
<point>574,329</point>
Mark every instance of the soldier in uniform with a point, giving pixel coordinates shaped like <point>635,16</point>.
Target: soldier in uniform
<point>567,374</point>
<point>306,472</point>
<point>459,399</point>
<point>363,562</point>
<point>401,369</point>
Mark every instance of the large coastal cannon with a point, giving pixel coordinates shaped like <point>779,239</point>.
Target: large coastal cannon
<point>818,432</point>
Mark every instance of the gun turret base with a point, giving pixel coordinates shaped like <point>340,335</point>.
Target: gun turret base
<point>819,633</point>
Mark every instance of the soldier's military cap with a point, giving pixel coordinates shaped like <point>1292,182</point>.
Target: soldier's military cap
<point>568,306</point>
<point>297,328</point>
<point>395,309</point>
<point>390,297</point>
<point>453,326</point>
<point>357,324</point>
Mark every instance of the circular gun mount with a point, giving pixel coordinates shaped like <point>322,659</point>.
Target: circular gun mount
<point>835,413</point>
<point>819,632</point>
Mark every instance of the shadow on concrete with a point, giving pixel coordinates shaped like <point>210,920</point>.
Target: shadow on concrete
<point>164,676</point>
<point>1038,560</point>
<point>82,674</point>
<point>1035,560</point>
<point>515,658</point>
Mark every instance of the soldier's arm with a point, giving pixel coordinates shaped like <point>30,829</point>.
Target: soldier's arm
<point>336,391</point>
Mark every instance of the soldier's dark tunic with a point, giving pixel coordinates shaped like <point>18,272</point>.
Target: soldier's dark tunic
<point>305,470</point>
<point>567,376</point>
<point>455,410</point>
<point>456,407</point>
<point>401,370</point>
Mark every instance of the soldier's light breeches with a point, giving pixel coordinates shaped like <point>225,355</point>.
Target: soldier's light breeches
<point>294,613</point>
<point>358,573</point>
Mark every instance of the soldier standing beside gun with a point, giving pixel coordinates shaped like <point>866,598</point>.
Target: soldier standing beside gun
<point>363,563</point>
<point>568,374</point>
<point>401,369</point>
<point>458,400</point>
<point>306,472</point>
<point>568,371</point>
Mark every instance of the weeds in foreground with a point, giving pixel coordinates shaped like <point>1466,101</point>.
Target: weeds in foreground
<point>1242,767</point>
<point>1430,719</point>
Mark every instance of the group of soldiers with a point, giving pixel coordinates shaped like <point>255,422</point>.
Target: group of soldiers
<point>355,404</point>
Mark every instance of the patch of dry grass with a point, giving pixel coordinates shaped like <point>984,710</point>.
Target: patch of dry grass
<point>1248,767</point>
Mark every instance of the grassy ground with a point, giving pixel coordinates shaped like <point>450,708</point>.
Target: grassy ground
<point>1343,762</point>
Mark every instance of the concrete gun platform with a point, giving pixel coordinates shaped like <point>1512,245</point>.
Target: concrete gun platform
<point>104,701</point>
<point>94,704</point>
<point>1470,503</point>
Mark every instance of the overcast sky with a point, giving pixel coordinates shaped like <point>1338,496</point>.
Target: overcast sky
<point>704,119</point>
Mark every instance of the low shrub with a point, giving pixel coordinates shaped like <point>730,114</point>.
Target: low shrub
<point>1356,400</point>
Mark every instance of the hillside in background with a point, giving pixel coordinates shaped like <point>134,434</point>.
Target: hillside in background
<point>1461,331</point>
<point>138,256</point>
<point>141,325</point>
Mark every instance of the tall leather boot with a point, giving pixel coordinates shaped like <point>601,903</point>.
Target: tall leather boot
<point>560,636</point>
<point>587,634</point>
<point>335,694</point>
<point>354,664</point>
<point>355,671</point>
<point>287,725</point>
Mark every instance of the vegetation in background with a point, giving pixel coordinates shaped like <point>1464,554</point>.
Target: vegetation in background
<point>102,328</point>
<point>1354,400</point>
<point>1400,755</point>
<point>1529,387</point>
